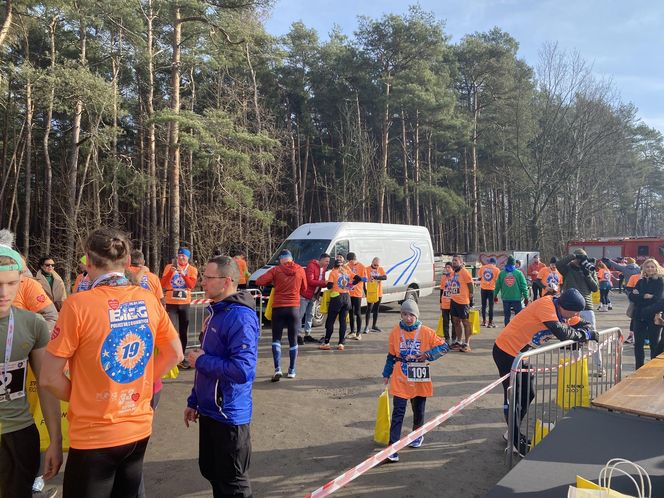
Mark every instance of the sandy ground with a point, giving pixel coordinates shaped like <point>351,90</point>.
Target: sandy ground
<point>308,430</point>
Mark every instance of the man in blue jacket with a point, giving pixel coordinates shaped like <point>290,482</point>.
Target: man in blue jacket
<point>225,371</point>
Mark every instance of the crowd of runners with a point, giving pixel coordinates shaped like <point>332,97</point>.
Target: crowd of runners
<point>105,346</point>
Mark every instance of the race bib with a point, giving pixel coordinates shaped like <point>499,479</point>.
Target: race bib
<point>12,386</point>
<point>179,294</point>
<point>418,372</point>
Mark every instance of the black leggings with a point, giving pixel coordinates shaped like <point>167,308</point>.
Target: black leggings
<point>645,330</point>
<point>105,472</point>
<point>373,308</point>
<point>447,317</point>
<point>604,296</point>
<point>179,315</point>
<point>487,299</point>
<point>538,290</point>
<point>504,363</point>
<point>339,306</point>
<point>285,317</point>
<point>355,315</point>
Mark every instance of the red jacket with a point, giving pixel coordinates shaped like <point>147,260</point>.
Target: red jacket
<point>314,279</point>
<point>288,280</point>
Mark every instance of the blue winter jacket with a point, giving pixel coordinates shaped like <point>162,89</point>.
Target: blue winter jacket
<point>225,373</point>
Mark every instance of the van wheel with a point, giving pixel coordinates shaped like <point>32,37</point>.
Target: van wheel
<point>412,294</point>
<point>319,317</point>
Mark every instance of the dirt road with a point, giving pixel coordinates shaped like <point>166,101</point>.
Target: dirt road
<point>308,430</point>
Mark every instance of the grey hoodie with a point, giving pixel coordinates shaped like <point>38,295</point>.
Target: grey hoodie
<point>628,270</point>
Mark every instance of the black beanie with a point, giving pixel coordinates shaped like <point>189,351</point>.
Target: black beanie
<point>572,300</point>
<point>553,260</point>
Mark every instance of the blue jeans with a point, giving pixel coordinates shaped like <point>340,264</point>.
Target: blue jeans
<point>418,404</point>
<point>306,314</point>
<point>508,307</point>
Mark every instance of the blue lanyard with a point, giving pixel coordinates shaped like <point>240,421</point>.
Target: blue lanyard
<point>414,341</point>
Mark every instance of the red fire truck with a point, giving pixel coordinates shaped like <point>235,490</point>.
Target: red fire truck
<point>639,248</point>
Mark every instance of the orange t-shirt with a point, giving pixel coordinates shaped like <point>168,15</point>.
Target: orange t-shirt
<point>358,269</point>
<point>109,335</point>
<point>178,287</point>
<point>521,329</point>
<point>31,296</point>
<point>149,281</point>
<point>403,343</point>
<point>534,269</point>
<point>549,277</point>
<point>82,283</point>
<point>372,273</point>
<point>341,279</point>
<point>488,277</point>
<point>458,286</point>
<point>631,283</point>
<point>445,298</point>
<point>604,275</point>
<point>242,266</point>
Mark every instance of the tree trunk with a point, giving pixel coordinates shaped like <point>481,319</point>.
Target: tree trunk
<point>385,139</point>
<point>48,169</point>
<point>29,110</point>
<point>174,138</point>
<point>404,150</point>
<point>474,168</point>
<point>4,31</point>
<point>416,188</point>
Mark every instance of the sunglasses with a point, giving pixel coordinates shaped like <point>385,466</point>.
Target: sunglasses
<point>50,265</point>
<point>209,277</point>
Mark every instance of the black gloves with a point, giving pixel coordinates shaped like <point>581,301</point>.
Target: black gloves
<point>329,285</point>
<point>357,279</point>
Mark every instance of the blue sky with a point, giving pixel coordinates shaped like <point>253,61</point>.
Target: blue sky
<point>622,40</point>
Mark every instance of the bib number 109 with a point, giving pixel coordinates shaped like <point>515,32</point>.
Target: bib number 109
<point>418,372</point>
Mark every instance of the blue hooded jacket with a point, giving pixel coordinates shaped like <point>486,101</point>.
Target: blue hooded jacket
<point>225,373</point>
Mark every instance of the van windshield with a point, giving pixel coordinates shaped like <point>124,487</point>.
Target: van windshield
<point>304,250</point>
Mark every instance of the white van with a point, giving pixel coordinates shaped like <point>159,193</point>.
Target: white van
<point>405,253</point>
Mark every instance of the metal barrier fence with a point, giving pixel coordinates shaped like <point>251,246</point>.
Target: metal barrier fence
<point>557,378</point>
<point>198,312</point>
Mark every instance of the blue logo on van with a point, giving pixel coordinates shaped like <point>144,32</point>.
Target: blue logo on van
<point>411,263</point>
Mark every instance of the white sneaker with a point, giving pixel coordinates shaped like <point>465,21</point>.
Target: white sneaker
<point>291,374</point>
<point>278,374</point>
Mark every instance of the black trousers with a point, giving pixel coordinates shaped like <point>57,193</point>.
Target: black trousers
<point>537,290</point>
<point>19,462</point>
<point>285,317</point>
<point>418,404</point>
<point>355,315</point>
<point>113,472</point>
<point>487,299</point>
<point>524,385</point>
<point>338,307</point>
<point>224,457</point>
<point>645,330</point>
<point>372,309</point>
<point>179,315</point>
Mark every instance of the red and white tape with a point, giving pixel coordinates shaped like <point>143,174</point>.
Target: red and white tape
<point>374,460</point>
<point>195,302</point>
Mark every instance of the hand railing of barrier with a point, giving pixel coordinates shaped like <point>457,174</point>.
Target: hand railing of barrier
<point>547,382</point>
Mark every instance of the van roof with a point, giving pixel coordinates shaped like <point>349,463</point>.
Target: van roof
<point>332,229</point>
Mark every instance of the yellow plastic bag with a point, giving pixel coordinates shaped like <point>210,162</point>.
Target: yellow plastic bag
<point>268,309</point>
<point>595,297</point>
<point>572,389</point>
<point>541,431</point>
<point>172,373</point>
<point>440,332</point>
<point>474,319</point>
<point>373,291</point>
<point>36,412</point>
<point>324,302</point>
<point>383,419</point>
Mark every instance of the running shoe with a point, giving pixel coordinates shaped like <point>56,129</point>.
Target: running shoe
<point>492,325</point>
<point>416,443</point>
<point>455,346</point>
<point>377,329</point>
<point>465,348</point>
<point>278,374</point>
<point>366,330</point>
<point>300,340</point>
<point>325,347</point>
<point>355,337</point>
<point>184,365</point>
<point>309,339</point>
<point>291,373</point>
<point>341,347</point>
<point>393,458</point>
